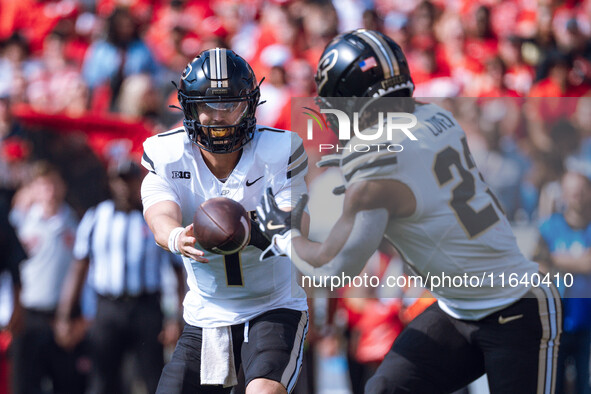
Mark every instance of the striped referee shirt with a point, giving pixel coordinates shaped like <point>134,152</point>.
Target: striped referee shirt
<point>124,257</point>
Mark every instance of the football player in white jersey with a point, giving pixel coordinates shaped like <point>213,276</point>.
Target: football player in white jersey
<point>429,200</point>
<point>238,310</point>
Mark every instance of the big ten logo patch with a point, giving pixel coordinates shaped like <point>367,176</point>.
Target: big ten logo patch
<point>181,175</point>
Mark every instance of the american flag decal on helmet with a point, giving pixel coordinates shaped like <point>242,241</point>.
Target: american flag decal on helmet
<point>368,63</point>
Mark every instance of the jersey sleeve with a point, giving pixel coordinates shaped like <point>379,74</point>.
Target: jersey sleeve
<point>148,163</point>
<point>294,184</point>
<point>156,189</point>
<point>375,163</point>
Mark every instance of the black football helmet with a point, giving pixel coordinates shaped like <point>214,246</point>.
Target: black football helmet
<point>218,81</point>
<point>363,63</point>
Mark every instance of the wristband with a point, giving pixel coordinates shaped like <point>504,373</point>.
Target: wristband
<point>282,242</point>
<point>173,238</point>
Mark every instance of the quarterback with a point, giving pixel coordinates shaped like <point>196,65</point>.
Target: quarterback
<point>432,204</point>
<point>238,310</point>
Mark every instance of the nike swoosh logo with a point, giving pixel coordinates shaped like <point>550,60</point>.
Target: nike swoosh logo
<point>272,226</point>
<point>253,182</point>
<point>505,320</point>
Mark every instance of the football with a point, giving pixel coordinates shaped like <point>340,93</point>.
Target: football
<point>221,226</point>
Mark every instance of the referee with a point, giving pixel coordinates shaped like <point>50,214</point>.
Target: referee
<point>115,247</point>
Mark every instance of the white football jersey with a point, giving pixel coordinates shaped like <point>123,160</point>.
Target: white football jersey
<point>235,288</point>
<point>458,227</point>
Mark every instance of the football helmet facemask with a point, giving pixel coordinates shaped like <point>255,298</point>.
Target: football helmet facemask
<point>220,86</point>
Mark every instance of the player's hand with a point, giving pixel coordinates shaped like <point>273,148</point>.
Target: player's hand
<point>186,245</point>
<point>69,332</point>
<point>278,225</point>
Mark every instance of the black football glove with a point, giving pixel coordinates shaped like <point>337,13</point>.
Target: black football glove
<point>277,225</point>
<point>257,237</point>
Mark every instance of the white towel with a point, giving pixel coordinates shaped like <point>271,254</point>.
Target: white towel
<point>217,357</point>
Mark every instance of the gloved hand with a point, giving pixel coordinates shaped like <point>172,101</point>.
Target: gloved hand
<point>279,226</point>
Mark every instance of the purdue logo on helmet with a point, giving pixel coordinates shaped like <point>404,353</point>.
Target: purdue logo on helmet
<point>219,81</point>
<point>326,63</point>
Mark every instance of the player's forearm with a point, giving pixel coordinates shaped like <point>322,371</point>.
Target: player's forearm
<point>347,248</point>
<point>314,253</point>
<point>162,227</point>
<point>162,218</point>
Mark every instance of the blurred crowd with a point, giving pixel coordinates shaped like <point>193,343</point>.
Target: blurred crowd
<point>82,81</point>
<point>99,56</point>
<point>71,64</point>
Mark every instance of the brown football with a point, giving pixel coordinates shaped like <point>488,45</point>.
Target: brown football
<point>221,226</point>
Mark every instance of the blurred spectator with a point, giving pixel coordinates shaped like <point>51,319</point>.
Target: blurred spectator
<point>422,22</point>
<point>14,148</point>
<point>539,189</point>
<point>56,86</point>
<point>11,255</point>
<point>15,66</point>
<point>120,54</point>
<point>544,38</point>
<point>278,41</point>
<point>140,10</point>
<point>114,241</point>
<point>572,40</point>
<point>431,74</point>
<point>565,247</point>
<point>372,21</point>
<point>492,82</point>
<point>276,94</point>
<point>46,226</point>
<point>171,35</point>
<point>518,75</point>
<point>139,100</point>
<point>582,120</point>
<point>320,23</point>
<point>350,14</point>
<point>557,82</point>
<point>452,36</point>
<point>500,162</point>
<point>482,43</point>
<point>397,27</point>
<point>34,19</point>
